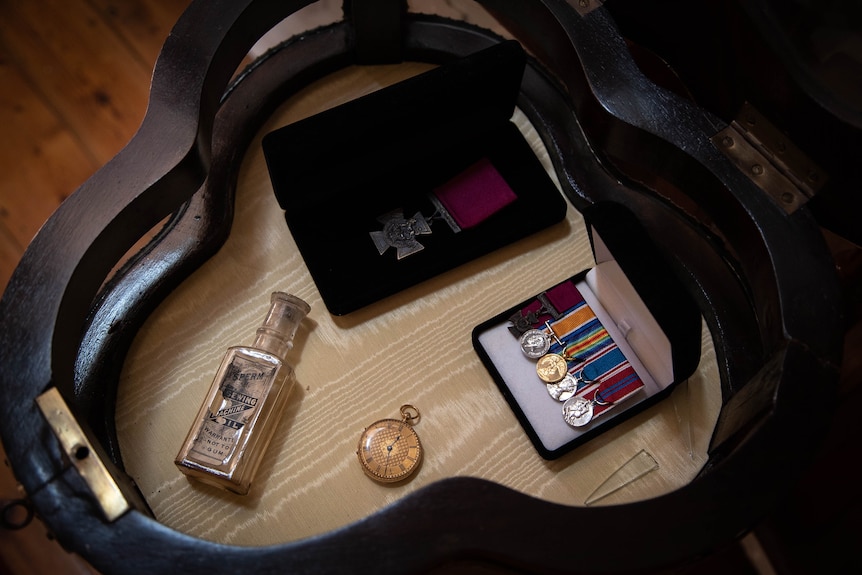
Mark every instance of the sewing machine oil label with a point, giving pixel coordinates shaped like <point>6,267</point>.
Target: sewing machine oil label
<point>243,388</point>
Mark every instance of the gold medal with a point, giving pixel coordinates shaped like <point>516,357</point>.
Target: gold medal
<point>552,368</point>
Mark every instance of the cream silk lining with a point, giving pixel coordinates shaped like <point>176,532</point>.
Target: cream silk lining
<point>413,348</point>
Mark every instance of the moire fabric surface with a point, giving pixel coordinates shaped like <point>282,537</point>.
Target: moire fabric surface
<point>413,348</point>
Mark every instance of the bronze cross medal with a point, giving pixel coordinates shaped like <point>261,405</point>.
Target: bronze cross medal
<point>400,233</point>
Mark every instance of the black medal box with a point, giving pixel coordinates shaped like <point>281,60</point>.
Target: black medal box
<point>339,174</point>
<point>627,330</point>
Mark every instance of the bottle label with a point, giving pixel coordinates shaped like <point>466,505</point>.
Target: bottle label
<point>244,385</point>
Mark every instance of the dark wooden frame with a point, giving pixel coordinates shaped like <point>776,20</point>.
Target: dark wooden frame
<point>777,332</point>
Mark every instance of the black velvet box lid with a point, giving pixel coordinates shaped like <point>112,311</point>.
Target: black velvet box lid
<point>337,172</point>
<point>618,238</point>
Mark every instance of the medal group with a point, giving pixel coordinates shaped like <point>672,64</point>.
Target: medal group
<point>576,358</point>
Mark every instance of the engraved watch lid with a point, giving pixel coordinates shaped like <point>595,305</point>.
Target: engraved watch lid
<point>276,333</point>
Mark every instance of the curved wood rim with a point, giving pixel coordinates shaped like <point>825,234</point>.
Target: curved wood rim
<point>51,294</point>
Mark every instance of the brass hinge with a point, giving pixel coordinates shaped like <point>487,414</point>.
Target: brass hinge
<point>82,454</point>
<point>584,7</point>
<point>770,159</point>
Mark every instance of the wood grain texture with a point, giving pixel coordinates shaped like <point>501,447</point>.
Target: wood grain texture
<point>413,348</point>
<point>84,60</point>
<point>144,24</point>
<point>41,161</point>
<point>74,82</point>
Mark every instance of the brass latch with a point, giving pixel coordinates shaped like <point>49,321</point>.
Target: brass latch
<point>83,456</point>
<point>770,159</point>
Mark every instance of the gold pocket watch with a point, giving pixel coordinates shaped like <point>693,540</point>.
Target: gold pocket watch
<point>389,450</point>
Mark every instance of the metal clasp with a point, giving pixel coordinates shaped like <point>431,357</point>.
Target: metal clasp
<point>83,456</point>
<point>769,159</point>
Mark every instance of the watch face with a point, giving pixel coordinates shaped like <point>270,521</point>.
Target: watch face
<point>389,450</point>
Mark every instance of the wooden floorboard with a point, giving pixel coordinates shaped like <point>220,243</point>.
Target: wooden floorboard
<point>74,83</point>
<point>41,159</point>
<point>82,69</point>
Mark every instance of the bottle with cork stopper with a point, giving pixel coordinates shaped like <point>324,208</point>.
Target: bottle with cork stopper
<point>245,402</point>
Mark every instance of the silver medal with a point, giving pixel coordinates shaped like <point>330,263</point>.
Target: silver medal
<point>400,233</point>
<point>563,390</point>
<point>535,343</point>
<point>578,411</point>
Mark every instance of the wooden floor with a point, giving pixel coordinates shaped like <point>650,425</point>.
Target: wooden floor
<point>74,82</point>
<point>74,79</point>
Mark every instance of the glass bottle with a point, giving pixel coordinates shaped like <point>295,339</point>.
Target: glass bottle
<point>245,402</point>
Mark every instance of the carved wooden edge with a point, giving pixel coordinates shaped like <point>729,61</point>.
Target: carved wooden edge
<point>634,100</point>
<point>199,228</point>
<point>460,517</point>
<point>52,290</point>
